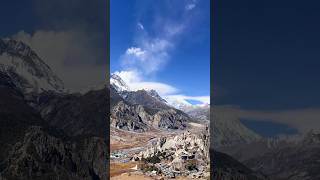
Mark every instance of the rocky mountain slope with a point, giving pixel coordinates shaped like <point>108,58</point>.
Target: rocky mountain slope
<point>290,160</point>
<point>118,84</point>
<point>26,69</point>
<point>47,133</point>
<point>228,130</point>
<point>200,113</point>
<point>227,168</point>
<point>142,110</point>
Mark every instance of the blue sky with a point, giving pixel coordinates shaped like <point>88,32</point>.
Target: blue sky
<point>162,45</point>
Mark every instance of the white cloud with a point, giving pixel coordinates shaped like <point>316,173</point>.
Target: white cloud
<point>151,51</point>
<point>149,57</point>
<point>129,76</point>
<point>161,88</point>
<point>190,6</point>
<point>135,81</point>
<point>135,51</point>
<point>140,26</point>
<point>184,98</point>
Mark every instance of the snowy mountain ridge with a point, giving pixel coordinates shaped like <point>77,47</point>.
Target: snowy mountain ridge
<point>118,84</point>
<point>122,88</point>
<point>26,69</point>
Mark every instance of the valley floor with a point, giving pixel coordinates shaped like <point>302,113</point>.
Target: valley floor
<point>125,144</point>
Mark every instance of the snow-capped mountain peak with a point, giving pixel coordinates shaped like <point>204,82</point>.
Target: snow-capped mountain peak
<point>155,94</point>
<point>118,83</point>
<point>121,87</point>
<point>178,103</point>
<point>26,69</point>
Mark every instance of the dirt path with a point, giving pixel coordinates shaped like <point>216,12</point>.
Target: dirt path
<point>127,176</point>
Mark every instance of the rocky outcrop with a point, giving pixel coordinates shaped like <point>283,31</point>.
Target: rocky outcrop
<point>45,156</point>
<point>131,118</point>
<point>140,119</point>
<point>186,154</point>
<point>169,119</point>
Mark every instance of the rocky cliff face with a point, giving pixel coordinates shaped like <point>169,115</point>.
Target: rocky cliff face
<point>169,119</point>
<point>131,118</point>
<point>138,118</point>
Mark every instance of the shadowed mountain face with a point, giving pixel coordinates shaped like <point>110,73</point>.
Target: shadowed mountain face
<point>45,132</point>
<point>77,115</point>
<point>295,160</point>
<point>16,116</point>
<point>26,69</point>
<point>227,168</point>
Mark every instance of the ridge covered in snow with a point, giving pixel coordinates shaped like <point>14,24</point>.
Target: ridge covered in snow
<point>229,130</point>
<point>121,87</point>
<point>184,105</point>
<point>118,84</point>
<point>26,69</point>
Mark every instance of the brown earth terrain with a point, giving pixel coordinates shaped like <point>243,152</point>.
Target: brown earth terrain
<point>125,141</point>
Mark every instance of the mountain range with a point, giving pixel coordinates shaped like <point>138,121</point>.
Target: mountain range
<point>46,132</point>
<point>142,110</point>
<point>136,111</point>
<point>49,133</point>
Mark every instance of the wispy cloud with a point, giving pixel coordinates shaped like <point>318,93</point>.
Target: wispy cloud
<point>184,98</point>
<point>149,56</point>
<point>191,5</point>
<point>151,51</point>
<point>138,52</point>
<point>135,81</point>
<point>303,120</point>
<point>140,26</point>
